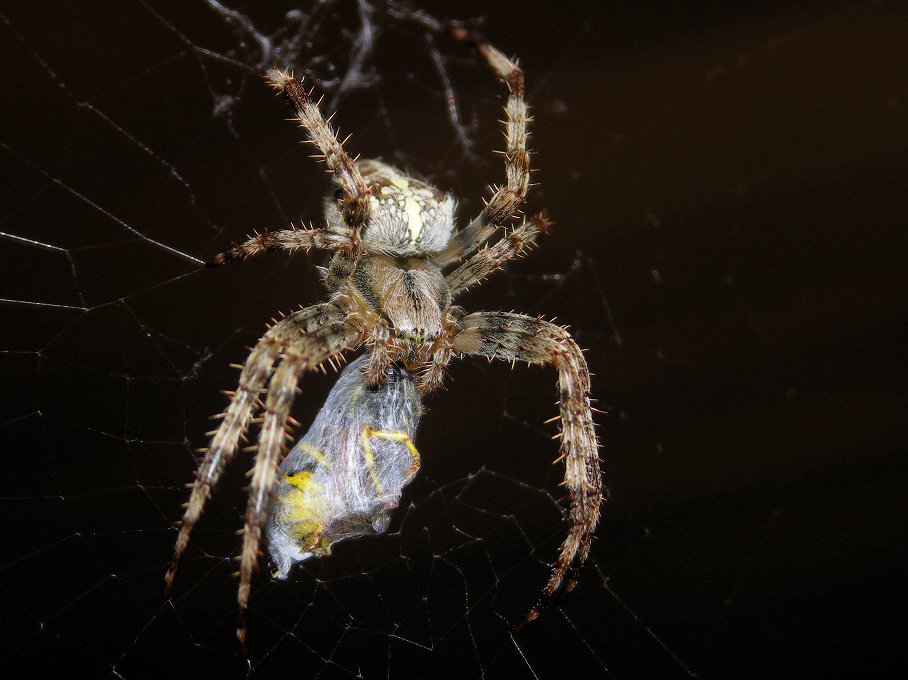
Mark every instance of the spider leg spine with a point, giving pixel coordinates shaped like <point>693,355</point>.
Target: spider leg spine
<point>225,439</point>
<point>490,259</point>
<point>303,353</point>
<point>508,336</point>
<point>224,444</point>
<point>505,201</point>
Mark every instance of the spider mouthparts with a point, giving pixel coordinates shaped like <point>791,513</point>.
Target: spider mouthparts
<point>216,260</point>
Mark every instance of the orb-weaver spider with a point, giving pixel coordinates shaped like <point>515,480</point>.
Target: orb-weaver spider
<point>392,238</point>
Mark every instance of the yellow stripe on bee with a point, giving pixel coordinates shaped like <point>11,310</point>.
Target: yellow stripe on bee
<point>300,480</point>
<point>316,455</point>
<point>304,508</point>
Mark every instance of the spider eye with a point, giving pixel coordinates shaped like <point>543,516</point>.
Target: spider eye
<point>339,195</point>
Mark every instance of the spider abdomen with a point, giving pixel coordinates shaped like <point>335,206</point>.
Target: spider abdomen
<point>406,217</point>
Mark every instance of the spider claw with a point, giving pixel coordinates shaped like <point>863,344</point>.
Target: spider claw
<point>532,616</point>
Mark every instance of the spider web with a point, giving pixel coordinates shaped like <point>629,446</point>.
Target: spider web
<point>728,187</point>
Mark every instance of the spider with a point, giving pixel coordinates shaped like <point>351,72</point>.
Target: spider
<point>393,238</point>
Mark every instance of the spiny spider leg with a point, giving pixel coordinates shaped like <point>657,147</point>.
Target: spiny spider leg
<point>389,293</point>
<point>305,352</point>
<point>517,337</point>
<point>287,240</point>
<point>466,241</point>
<point>506,200</point>
<point>243,402</point>
<point>355,200</point>
<point>492,258</point>
<point>355,203</point>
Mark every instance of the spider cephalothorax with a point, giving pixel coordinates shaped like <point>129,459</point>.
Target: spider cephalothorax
<point>392,286</point>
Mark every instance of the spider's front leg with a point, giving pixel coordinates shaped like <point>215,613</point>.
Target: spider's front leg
<point>306,351</point>
<point>517,337</point>
<point>243,402</point>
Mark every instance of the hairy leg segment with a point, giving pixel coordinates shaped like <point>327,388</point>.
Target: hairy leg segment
<point>513,337</point>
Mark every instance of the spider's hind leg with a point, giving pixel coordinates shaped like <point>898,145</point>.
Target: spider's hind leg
<point>286,240</point>
<point>354,193</point>
<point>517,337</point>
<point>354,203</point>
<point>492,258</point>
<point>506,200</point>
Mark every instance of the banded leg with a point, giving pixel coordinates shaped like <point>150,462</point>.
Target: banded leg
<point>380,347</point>
<point>243,402</point>
<point>287,240</point>
<point>518,337</point>
<point>507,199</point>
<point>305,352</point>
<point>492,258</point>
<point>355,202</point>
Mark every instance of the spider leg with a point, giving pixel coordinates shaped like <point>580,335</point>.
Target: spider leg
<point>465,242</point>
<point>287,240</point>
<point>507,199</point>
<point>515,336</point>
<point>355,203</point>
<point>236,418</point>
<point>492,258</point>
<point>380,347</point>
<point>305,352</point>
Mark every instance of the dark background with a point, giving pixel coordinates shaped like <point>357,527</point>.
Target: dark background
<point>728,182</point>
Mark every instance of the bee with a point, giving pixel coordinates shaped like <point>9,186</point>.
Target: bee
<point>345,476</point>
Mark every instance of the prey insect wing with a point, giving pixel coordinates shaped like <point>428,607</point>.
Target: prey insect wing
<point>346,474</point>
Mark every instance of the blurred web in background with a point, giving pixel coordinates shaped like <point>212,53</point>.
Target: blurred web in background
<point>142,140</point>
